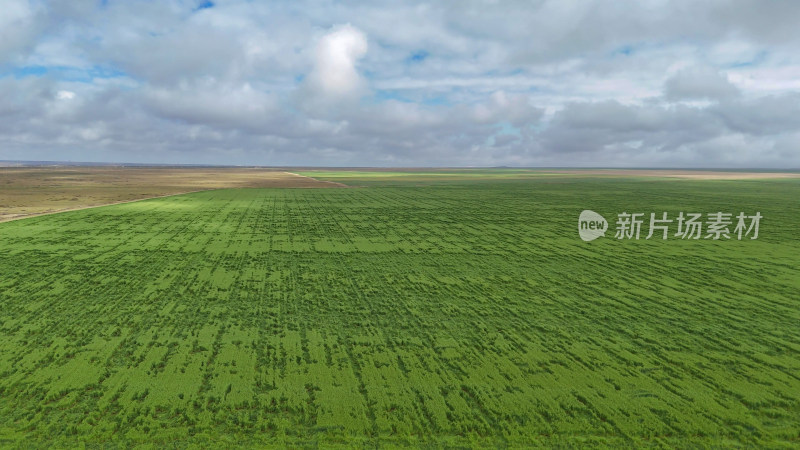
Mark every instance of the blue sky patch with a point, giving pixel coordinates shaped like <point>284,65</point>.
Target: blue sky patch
<point>207,4</point>
<point>418,56</point>
<point>67,73</point>
<point>626,50</point>
<point>756,60</point>
<point>29,71</point>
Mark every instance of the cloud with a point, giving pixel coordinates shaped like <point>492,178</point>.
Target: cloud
<point>610,127</point>
<point>547,82</point>
<point>65,95</point>
<point>334,75</point>
<point>515,109</point>
<point>20,24</point>
<point>213,104</point>
<point>699,83</point>
<point>180,55</point>
<point>771,115</point>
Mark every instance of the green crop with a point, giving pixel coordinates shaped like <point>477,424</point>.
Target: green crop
<point>465,313</point>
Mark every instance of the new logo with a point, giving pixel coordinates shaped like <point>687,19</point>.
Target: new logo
<point>591,225</point>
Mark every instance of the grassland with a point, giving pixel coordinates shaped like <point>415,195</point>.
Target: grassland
<point>383,176</point>
<point>464,311</point>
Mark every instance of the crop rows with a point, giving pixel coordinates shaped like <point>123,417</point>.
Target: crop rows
<point>463,313</point>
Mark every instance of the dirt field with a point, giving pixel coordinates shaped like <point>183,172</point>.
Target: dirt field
<point>29,191</point>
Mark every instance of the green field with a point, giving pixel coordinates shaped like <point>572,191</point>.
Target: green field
<point>461,311</point>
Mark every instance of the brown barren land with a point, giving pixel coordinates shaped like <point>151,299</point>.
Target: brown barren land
<point>31,191</point>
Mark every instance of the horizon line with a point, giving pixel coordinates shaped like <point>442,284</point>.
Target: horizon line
<point>34,163</point>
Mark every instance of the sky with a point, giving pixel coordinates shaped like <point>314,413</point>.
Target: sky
<point>534,83</point>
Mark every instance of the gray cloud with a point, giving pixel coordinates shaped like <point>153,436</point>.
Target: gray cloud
<point>20,25</point>
<point>699,83</point>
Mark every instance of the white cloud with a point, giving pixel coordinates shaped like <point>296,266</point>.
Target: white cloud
<point>65,95</point>
<point>334,74</point>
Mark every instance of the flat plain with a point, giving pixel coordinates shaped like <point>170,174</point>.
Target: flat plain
<point>421,309</point>
<point>30,191</point>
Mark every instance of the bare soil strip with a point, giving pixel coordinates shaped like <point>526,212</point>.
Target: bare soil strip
<point>335,184</point>
<point>27,216</point>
